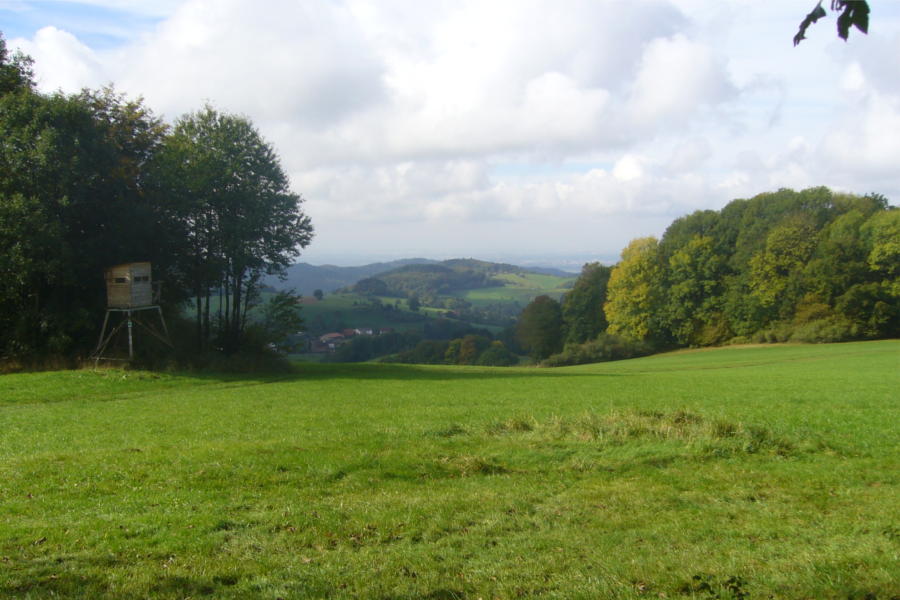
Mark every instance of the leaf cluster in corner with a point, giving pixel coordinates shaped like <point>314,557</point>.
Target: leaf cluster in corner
<point>853,13</point>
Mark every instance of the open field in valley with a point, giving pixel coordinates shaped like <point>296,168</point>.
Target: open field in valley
<point>744,472</point>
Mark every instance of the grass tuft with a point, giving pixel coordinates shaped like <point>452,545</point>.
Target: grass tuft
<point>710,437</point>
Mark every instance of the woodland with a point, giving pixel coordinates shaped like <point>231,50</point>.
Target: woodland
<point>93,179</point>
<point>807,266</point>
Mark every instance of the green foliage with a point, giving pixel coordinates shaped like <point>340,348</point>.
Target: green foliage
<point>371,286</point>
<point>470,349</point>
<point>414,303</point>
<point>582,307</point>
<point>695,281</point>
<point>426,352</point>
<point>436,284</point>
<point>775,271</point>
<point>100,180</point>
<point>71,180</point>
<point>839,259</point>
<point>368,347</point>
<point>605,347</point>
<point>634,295</point>
<point>807,266</point>
<point>882,233</point>
<point>237,217</point>
<point>497,355</point>
<point>429,281</point>
<point>539,329</point>
<point>16,72</point>
<point>281,316</point>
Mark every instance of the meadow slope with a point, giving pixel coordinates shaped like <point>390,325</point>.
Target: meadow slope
<point>753,472</point>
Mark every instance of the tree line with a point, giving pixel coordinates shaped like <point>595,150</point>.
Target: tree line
<point>810,266</point>
<point>94,179</point>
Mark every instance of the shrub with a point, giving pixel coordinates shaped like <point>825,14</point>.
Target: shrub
<point>497,355</point>
<point>829,329</point>
<point>604,347</point>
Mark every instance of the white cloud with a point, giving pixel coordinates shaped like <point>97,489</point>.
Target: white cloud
<point>868,140</point>
<point>299,62</point>
<point>393,116</point>
<point>677,76</point>
<point>628,168</point>
<point>63,62</point>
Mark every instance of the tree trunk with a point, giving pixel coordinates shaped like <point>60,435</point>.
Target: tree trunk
<point>206,316</point>
<point>236,311</point>
<point>199,321</point>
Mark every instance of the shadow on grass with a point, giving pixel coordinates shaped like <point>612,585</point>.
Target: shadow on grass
<point>394,372</point>
<point>89,577</point>
<point>400,372</point>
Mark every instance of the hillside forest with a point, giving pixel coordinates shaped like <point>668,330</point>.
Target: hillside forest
<point>808,266</point>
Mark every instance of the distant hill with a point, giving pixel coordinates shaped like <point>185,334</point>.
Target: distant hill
<point>450,278</point>
<point>306,278</point>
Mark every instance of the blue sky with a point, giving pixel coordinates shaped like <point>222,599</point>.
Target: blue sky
<point>101,26</point>
<point>512,129</point>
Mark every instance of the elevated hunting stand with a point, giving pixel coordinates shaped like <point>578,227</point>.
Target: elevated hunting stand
<point>129,293</point>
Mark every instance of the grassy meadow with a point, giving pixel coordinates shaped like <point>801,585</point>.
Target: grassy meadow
<point>519,288</point>
<point>745,472</point>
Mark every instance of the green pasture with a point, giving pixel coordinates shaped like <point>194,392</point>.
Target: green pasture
<point>536,281</point>
<point>519,287</point>
<point>339,311</point>
<point>745,472</point>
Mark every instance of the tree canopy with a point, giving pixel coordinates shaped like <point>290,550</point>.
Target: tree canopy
<point>94,179</point>
<point>540,325</point>
<point>234,211</point>
<point>812,265</point>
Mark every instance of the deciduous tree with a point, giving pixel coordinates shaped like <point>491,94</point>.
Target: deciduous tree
<point>539,329</point>
<point>236,210</point>
<point>634,295</point>
<point>582,307</point>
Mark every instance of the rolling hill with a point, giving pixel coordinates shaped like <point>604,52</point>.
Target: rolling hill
<point>305,278</point>
<point>460,277</point>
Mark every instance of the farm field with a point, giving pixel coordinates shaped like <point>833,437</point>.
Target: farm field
<point>339,311</point>
<point>519,288</point>
<point>743,472</point>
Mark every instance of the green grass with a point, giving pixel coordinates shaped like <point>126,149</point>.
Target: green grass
<point>337,311</point>
<point>751,472</point>
<point>536,281</point>
<point>520,288</point>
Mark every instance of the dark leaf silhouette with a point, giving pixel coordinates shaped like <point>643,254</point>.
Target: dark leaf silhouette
<point>854,13</point>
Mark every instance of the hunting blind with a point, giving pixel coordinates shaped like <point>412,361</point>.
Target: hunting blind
<point>129,290</point>
<point>129,285</point>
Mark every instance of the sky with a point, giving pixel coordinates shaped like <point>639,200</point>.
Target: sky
<point>530,131</point>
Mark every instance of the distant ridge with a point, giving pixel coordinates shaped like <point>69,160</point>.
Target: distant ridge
<point>306,278</point>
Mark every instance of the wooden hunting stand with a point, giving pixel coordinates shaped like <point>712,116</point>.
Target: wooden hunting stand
<point>129,293</point>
